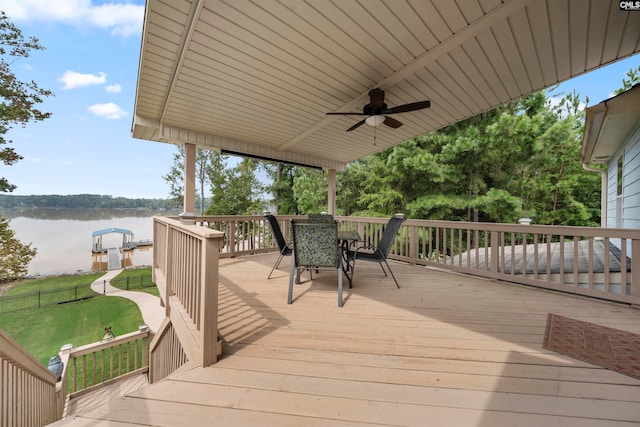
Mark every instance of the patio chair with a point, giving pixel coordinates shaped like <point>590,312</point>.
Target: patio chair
<point>283,246</point>
<point>320,217</point>
<point>315,248</point>
<point>377,253</point>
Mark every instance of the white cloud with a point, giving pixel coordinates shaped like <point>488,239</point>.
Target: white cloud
<point>122,18</point>
<point>73,80</point>
<point>113,88</point>
<point>109,111</point>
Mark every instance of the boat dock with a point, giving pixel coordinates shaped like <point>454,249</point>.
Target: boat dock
<point>114,254</point>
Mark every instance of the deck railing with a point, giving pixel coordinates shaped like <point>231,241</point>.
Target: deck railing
<point>568,259</point>
<point>94,365</point>
<point>186,273</point>
<point>27,389</point>
<point>597,262</point>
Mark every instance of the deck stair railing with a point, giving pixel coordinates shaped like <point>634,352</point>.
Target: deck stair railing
<point>185,269</point>
<point>32,397</point>
<point>102,363</point>
<point>27,389</point>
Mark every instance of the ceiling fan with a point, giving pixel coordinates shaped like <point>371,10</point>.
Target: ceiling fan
<point>377,111</point>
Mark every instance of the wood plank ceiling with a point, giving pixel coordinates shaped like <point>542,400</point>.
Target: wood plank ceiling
<point>257,77</point>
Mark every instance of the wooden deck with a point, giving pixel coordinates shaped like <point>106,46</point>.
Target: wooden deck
<point>444,350</point>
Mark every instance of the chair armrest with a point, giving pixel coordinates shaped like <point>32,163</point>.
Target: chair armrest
<point>366,246</point>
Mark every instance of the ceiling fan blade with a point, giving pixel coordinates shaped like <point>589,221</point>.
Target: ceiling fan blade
<point>345,114</point>
<point>357,125</point>
<point>413,106</point>
<point>391,122</point>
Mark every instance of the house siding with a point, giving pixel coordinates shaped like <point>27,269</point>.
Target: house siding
<point>630,206</point>
<point>611,190</point>
<point>631,181</point>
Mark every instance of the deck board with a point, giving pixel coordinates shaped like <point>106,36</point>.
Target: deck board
<point>445,349</point>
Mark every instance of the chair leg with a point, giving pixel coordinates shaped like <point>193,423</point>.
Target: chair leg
<point>275,265</point>
<point>292,272</point>
<point>340,286</point>
<point>383,270</point>
<point>392,275</point>
<point>353,272</point>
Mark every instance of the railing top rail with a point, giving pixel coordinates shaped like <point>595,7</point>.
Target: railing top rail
<point>193,230</point>
<point>12,351</point>
<point>572,231</point>
<point>628,233</point>
<point>243,217</point>
<point>97,346</point>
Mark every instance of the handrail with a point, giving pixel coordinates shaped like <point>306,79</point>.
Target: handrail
<point>28,389</point>
<point>186,273</point>
<point>93,365</point>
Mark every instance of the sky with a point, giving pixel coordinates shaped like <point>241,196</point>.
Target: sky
<point>90,62</point>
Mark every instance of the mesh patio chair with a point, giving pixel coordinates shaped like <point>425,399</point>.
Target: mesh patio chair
<point>377,253</point>
<point>283,246</point>
<point>320,217</point>
<point>315,248</point>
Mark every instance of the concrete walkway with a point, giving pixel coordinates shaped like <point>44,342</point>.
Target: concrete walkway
<point>152,312</point>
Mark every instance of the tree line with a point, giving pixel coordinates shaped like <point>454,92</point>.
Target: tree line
<point>88,201</point>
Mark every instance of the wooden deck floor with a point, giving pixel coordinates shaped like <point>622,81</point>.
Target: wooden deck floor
<point>444,350</point>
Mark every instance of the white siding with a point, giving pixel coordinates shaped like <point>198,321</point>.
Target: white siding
<point>630,185</point>
<point>611,190</point>
<point>631,181</point>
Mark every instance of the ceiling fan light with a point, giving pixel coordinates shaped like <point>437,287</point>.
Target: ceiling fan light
<point>375,120</point>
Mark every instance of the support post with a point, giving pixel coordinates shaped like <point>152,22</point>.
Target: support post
<point>331,190</point>
<point>188,215</point>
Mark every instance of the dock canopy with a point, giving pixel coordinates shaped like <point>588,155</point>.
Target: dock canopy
<point>111,230</point>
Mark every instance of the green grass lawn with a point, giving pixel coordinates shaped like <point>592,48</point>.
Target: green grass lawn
<point>138,279</point>
<point>43,331</point>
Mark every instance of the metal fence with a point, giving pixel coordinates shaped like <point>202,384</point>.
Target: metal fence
<point>45,298</point>
<point>138,281</point>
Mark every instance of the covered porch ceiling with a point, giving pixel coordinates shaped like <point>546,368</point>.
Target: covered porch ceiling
<point>256,78</point>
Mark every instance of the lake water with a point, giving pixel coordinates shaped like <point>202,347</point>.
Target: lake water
<point>63,237</point>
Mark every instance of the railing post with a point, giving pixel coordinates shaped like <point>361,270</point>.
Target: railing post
<point>413,243</point>
<point>61,386</point>
<point>232,237</point>
<point>635,267</point>
<point>209,301</point>
<point>168,271</point>
<point>495,251</point>
<point>145,345</point>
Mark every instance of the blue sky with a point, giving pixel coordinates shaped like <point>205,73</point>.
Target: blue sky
<point>91,64</point>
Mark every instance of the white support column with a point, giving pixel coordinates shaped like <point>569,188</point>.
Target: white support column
<point>189,200</point>
<point>331,199</point>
